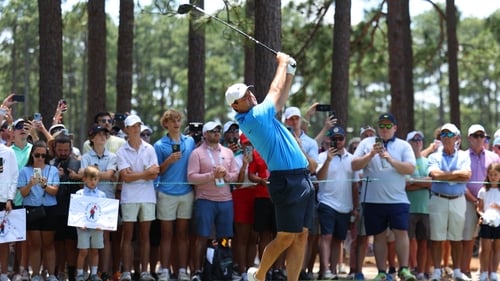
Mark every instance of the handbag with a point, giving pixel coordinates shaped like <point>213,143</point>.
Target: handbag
<point>35,214</point>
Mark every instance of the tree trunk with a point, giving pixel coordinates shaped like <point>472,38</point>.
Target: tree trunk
<point>196,69</point>
<point>340,61</point>
<point>96,91</point>
<point>50,59</point>
<point>125,57</point>
<point>451,31</point>
<point>401,65</point>
<point>267,31</point>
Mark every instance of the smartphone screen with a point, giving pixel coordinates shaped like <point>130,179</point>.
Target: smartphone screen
<point>176,147</point>
<point>37,116</point>
<point>18,98</point>
<point>323,107</point>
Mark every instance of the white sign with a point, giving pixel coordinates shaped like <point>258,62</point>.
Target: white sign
<point>93,212</point>
<point>13,226</point>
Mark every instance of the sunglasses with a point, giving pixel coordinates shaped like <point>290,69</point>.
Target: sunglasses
<point>385,126</point>
<point>447,134</point>
<point>234,130</point>
<point>337,139</point>
<point>40,155</point>
<point>417,139</point>
<point>477,136</point>
<point>145,134</point>
<point>106,121</point>
<point>214,131</point>
<point>19,126</point>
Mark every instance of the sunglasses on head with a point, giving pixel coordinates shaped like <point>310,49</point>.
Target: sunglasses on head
<point>39,155</point>
<point>447,134</point>
<point>477,136</point>
<point>385,126</point>
<point>417,139</point>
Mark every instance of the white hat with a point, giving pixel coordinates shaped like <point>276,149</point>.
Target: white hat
<point>412,134</point>
<point>210,126</point>
<point>475,128</point>
<point>146,127</point>
<point>450,127</point>
<point>228,125</point>
<point>366,128</point>
<point>56,126</point>
<point>292,111</point>
<point>236,91</point>
<point>132,120</point>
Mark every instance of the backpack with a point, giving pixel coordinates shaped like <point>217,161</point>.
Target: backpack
<point>218,262</point>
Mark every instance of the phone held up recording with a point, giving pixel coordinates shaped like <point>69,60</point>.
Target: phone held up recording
<point>383,162</point>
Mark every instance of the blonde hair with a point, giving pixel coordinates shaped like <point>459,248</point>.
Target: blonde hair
<point>170,114</point>
<point>91,172</point>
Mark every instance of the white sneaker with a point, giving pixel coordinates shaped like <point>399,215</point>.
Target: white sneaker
<point>251,274</point>
<point>183,276</point>
<point>145,276</point>
<point>164,276</point>
<point>436,275</point>
<point>483,276</point>
<point>126,276</point>
<point>4,277</point>
<point>25,275</point>
<point>493,276</point>
<point>460,276</point>
<point>328,275</point>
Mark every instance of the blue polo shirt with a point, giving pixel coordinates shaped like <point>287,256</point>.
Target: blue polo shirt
<point>459,160</point>
<point>174,181</point>
<point>272,140</point>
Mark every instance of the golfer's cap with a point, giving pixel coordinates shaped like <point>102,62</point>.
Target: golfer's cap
<point>55,128</point>
<point>475,128</point>
<point>210,125</point>
<point>496,142</point>
<point>95,129</point>
<point>20,120</point>
<point>387,116</point>
<point>131,120</point>
<point>292,111</point>
<point>236,91</point>
<point>335,130</point>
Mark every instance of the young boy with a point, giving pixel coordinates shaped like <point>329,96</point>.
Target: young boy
<point>89,240</point>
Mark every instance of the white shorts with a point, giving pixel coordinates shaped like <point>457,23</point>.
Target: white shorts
<point>447,218</point>
<point>171,207</point>
<point>470,226</point>
<point>132,212</point>
<point>90,239</point>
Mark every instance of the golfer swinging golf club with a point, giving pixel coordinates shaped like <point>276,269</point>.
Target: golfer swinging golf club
<point>290,186</point>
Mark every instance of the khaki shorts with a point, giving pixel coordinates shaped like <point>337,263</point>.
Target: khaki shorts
<point>447,218</point>
<point>170,207</point>
<point>470,226</point>
<point>90,239</point>
<point>132,212</point>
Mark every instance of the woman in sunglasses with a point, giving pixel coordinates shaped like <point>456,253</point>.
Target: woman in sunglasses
<point>38,183</point>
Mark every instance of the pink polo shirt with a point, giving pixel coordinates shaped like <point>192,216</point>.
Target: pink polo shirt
<point>200,172</point>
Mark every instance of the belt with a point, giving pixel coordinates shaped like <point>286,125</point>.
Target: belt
<point>445,196</point>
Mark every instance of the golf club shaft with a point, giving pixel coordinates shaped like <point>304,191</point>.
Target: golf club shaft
<point>235,29</point>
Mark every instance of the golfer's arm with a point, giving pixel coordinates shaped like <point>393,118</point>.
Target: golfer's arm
<point>280,86</point>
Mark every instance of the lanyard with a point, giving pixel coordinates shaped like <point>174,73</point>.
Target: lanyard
<point>210,155</point>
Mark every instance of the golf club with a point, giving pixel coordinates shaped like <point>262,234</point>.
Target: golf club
<point>186,8</point>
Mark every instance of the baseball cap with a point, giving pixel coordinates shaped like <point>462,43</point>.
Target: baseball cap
<point>366,128</point>
<point>228,125</point>
<point>132,120</point>
<point>55,127</point>
<point>292,111</point>
<point>335,130</point>
<point>387,116</point>
<point>475,128</point>
<point>412,135</point>
<point>146,128</point>
<point>496,141</point>
<point>450,127</point>
<point>236,91</point>
<point>94,129</point>
<point>20,120</point>
<point>210,126</point>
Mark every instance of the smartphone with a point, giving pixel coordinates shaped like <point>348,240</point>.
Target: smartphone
<point>37,173</point>
<point>249,152</point>
<point>37,116</point>
<point>378,139</point>
<point>3,111</point>
<point>332,114</point>
<point>232,140</point>
<point>323,107</point>
<point>1,164</point>
<point>120,116</point>
<point>176,148</point>
<point>18,98</point>
<point>333,143</point>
